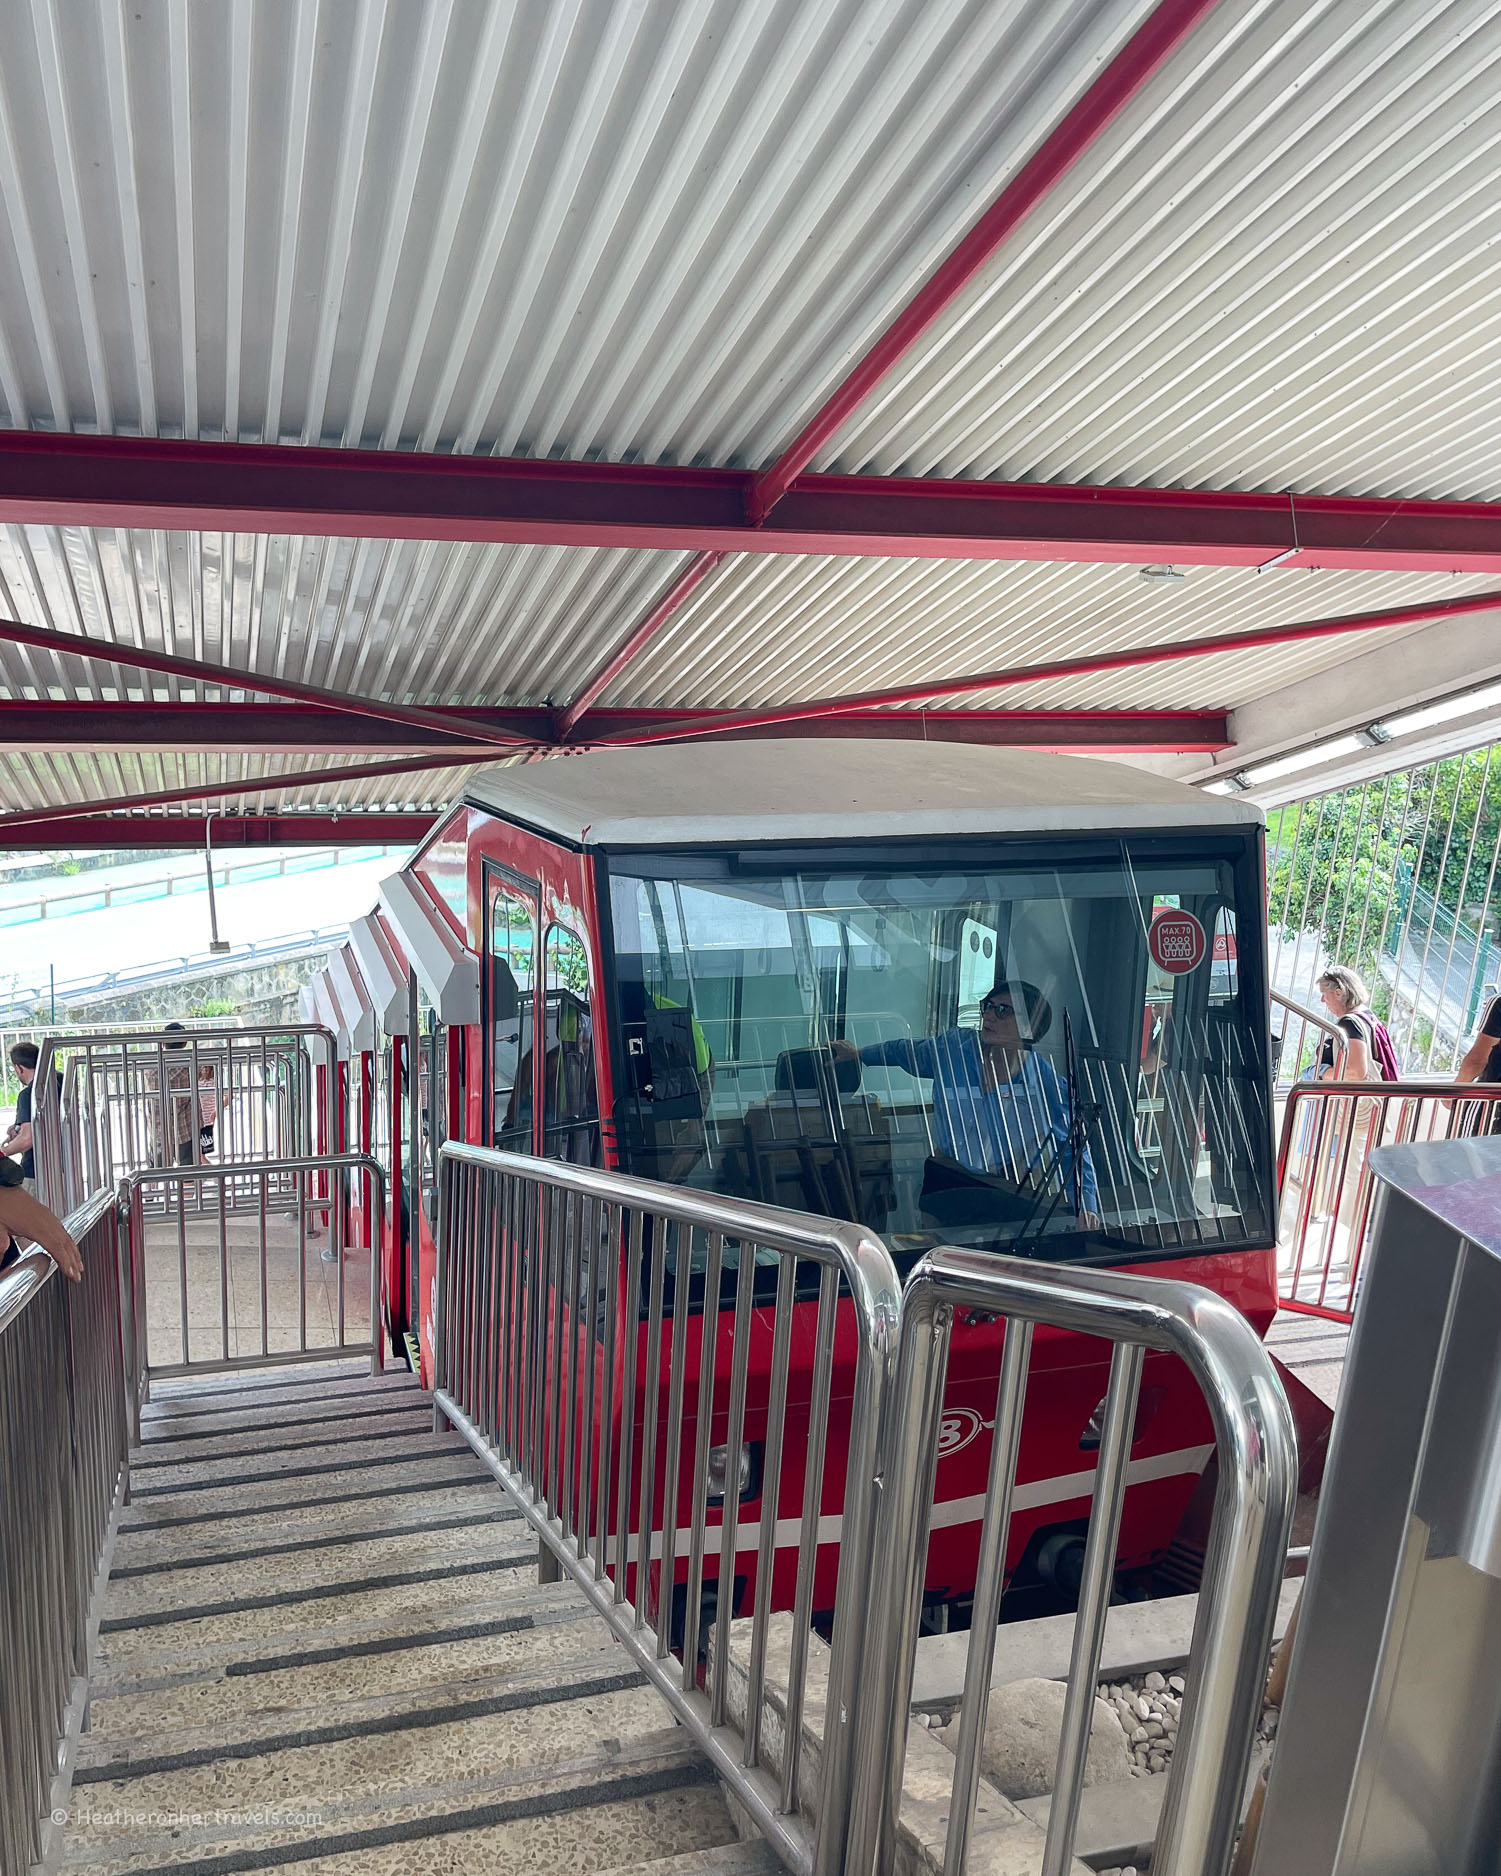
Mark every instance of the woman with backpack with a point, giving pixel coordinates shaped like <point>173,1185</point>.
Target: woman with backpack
<point>1362,1052</point>
<point>1367,1054</point>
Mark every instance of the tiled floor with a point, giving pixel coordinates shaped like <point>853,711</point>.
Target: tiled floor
<point>247,1284</point>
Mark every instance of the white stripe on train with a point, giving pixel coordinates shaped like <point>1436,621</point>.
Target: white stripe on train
<point>1070,1488</point>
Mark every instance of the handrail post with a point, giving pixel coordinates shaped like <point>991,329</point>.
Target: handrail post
<point>1243,1569</point>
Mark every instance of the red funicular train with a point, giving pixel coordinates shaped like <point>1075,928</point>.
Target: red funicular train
<point>961,995</point>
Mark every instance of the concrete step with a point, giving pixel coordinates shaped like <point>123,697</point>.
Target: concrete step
<point>166,1584</point>
<point>162,1686</point>
<point>234,1609</point>
<point>324,1648</point>
<point>244,1481</point>
<point>731,1859</point>
<point>1139,1636</point>
<point>293,1429</point>
<point>602,1809</point>
<point>562,1718</point>
<point>308,1499</point>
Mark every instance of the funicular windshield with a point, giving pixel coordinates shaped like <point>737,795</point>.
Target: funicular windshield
<point>1052,1047</point>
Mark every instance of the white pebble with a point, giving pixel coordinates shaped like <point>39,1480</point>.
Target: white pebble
<point>1156,1763</point>
<point>1143,1709</point>
<point>1138,1734</point>
<point>1175,1681</point>
<point>1155,1683</point>
<point>1155,1729</point>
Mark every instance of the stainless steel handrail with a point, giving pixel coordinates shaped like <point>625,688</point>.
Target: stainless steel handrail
<point>518,1236</point>
<point>65,1433</point>
<point>248,1172</point>
<point>1325,1191</point>
<point>1242,1570</point>
<point>64,1155</point>
<point>1320,1019</point>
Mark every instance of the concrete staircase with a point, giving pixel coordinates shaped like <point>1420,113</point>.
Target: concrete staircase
<point>325,1647</point>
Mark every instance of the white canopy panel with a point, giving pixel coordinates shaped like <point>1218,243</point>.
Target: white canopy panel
<point>447,971</point>
<point>836,790</point>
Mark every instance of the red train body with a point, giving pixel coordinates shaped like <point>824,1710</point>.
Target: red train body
<point>742,959</point>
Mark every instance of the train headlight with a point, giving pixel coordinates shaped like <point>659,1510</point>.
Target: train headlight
<point>719,1461</point>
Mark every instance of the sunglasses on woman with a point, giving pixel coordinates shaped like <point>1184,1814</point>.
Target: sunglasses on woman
<point>998,1006</point>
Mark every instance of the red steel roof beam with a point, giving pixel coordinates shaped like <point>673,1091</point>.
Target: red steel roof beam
<point>187,831</point>
<point>1103,101</point>
<point>235,791</point>
<point>268,728</point>
<point>1171,653</point>
<point>688,581</point>
<point>1136,62</point>
<point>89,481</point>
<point>229,677</point>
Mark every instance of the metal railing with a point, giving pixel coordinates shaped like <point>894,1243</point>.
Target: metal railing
<point>1242,1570</point>
<point>64,1431</point>
<point>1325,1188</point>
<point>563,1291</point>
<point>108,1105</point>
<point>1299,1038</point>
<point>229,1274</point>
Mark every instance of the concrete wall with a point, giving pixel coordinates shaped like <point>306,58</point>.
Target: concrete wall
<point>263,992</point>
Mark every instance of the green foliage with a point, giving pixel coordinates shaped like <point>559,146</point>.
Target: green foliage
<point>1344,865</point>
<point>215,1006</point>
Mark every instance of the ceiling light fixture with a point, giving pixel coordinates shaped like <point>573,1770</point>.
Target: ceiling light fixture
<point>1444,711</point>
<point>1305,758</point>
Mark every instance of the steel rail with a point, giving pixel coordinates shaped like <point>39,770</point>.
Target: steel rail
<point>1243,1565</point>
<point>480,1255</point>
<point>47,1115</point>
<point>129,1199</point>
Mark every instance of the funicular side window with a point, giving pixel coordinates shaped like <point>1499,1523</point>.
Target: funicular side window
<point>570,1107</point>
<point>1041,1045</point>
<point>510,988</point>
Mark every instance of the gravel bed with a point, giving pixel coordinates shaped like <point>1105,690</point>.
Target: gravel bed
<point>1148,1707</point>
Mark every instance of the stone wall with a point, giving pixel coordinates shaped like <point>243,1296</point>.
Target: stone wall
<point>260,993</point>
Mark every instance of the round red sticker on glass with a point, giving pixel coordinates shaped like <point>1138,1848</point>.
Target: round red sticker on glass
<point>1176,941</point>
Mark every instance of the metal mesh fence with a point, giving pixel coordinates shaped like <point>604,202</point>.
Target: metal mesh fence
<point>1396,879</point>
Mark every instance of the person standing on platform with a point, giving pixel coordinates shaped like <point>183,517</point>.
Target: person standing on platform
<point>19,1141</point>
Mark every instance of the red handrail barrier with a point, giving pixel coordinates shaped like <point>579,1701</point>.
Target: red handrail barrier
<point>1324,1187</point>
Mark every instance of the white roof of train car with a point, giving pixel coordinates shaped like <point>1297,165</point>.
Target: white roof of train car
<point>805,789</point>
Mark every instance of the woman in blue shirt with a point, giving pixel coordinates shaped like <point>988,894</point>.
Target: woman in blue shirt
<point>999,1108</point>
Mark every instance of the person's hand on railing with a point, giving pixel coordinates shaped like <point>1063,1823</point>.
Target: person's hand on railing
<point>27,1217</point>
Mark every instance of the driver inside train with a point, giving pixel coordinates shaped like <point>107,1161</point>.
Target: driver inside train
<point>1050,1048</point>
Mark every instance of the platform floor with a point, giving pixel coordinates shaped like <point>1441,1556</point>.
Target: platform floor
<point>253,1285</point>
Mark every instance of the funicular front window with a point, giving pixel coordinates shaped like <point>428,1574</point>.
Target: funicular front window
<point>1052,1047</point>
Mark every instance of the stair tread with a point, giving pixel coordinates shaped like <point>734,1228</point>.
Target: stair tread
<point>730,1859</point>
<point>593,1812</point>
<point>324,1648</point>
<point>109,1748</point>
<point>562,1726</point>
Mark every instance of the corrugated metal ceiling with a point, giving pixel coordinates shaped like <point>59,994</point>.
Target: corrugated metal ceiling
<point>555,227</point>
<point>830,626</point>
<point>1277,270</point>
<point>661,230</point>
